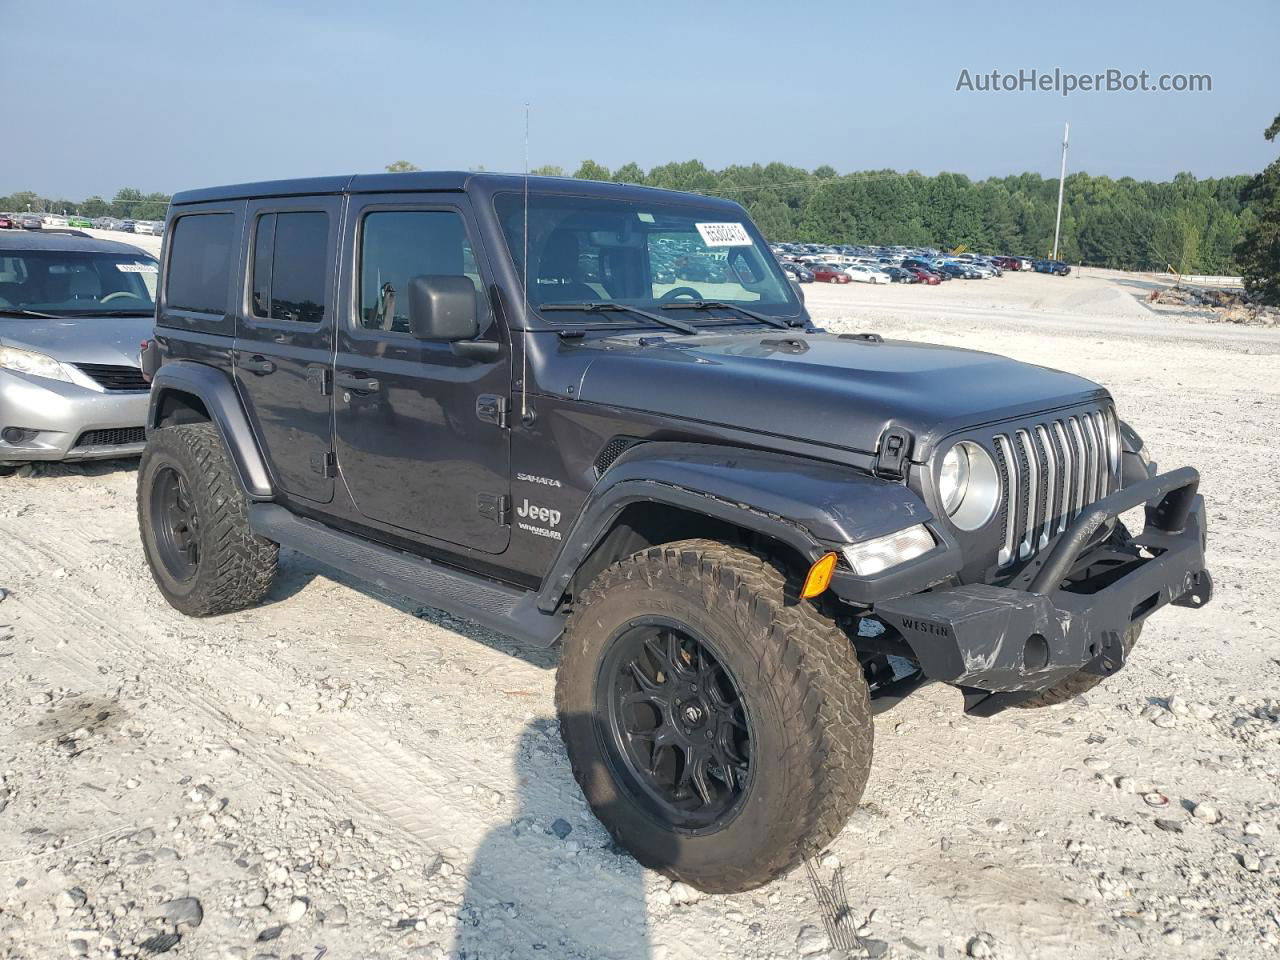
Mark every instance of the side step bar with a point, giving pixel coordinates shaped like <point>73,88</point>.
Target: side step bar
<point>508,610</point>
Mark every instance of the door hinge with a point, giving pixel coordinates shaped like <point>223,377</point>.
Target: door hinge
<point>493,409</point>
<point>325,464</point>
<point>895,447</point>
<point>495,506</point>
<point>321,378</point>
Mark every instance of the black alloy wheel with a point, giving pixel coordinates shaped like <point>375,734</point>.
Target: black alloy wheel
<point>674,725</point>
<point>177,524</point>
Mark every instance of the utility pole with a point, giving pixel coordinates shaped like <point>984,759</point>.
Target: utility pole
<point>1062,177</point>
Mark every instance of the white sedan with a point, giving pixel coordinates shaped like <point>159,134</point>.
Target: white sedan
<point>862,274</point>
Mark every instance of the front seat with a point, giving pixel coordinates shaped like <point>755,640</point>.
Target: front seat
<point>558,277</point>
<point>84,285</point>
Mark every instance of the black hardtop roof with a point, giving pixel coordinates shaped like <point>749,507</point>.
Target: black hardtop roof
<point>37,240</point>
<point>437,182</point>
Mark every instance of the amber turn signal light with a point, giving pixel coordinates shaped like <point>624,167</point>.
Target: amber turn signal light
<point>819,577</point>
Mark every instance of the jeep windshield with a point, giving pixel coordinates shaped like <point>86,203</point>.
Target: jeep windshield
<point>76,283</point>
<point>649,256</point>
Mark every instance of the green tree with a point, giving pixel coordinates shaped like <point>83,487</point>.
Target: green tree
<point>590,170</point>
<point>401,166</point>
<point>124,201</point>
<point>547,170</point>
<point>629,173</point>
<point>1259,250</point>
<point>94,207</point>
<point>25,200</point>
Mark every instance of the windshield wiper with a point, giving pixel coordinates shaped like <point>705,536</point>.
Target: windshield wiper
<point>725,305</point>
<point>601,306</point>
<point>109,313</point>
<point>6,312</point>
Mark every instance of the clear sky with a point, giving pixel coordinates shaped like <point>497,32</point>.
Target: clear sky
<point>170,94</point>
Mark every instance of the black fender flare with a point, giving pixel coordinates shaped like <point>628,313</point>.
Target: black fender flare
<point>810,505</point>
<point>215,390</point>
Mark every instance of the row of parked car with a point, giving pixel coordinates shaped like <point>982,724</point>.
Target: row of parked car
<point>808,263</point>
<point>37,221</point>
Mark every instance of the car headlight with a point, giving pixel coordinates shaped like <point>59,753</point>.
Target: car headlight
<point>872,556</point>
<point>953,478</point>
<point>30,362</point>
<point>968,485</point>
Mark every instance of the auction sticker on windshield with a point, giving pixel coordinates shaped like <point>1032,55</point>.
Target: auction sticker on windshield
<point>136,267</point>
<point>724,234</point>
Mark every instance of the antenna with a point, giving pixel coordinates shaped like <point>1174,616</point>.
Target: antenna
<point>524,282</point>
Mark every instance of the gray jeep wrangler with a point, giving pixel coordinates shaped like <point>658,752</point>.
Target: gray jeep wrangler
<point>600,415</point>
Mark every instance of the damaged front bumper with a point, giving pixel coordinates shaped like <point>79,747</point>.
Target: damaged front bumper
<point>1002,645</point>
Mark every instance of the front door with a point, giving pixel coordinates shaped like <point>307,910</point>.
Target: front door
<point>284,339</point>
<point>422,442</point>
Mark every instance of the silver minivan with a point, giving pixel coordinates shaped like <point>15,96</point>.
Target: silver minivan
<point>73,313</point>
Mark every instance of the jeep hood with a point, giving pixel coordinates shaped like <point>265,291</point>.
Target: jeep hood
<point>824,388</point>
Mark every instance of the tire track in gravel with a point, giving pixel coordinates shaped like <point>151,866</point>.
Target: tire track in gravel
<point>343,757</point>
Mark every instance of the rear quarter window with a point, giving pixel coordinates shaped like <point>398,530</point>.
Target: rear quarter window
<point>201,252</point>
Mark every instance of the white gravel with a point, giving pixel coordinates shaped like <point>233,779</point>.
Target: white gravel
<point>411,800</point>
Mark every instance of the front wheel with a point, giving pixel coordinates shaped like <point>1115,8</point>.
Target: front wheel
<point>719,726</point>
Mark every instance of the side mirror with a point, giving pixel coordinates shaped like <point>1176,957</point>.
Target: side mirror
<point>443,308</point>
<point>795,285</point>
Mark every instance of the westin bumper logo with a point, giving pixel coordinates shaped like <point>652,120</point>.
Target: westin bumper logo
<point>1065,83</point>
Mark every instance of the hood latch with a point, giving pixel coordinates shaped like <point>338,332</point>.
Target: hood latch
<point>895,448</point>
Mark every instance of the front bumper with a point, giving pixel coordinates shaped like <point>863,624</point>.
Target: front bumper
<point>1074,614</point>
<point>69,421</point>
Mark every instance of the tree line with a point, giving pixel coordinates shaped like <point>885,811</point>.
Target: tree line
<point>127,204</point>
<point>1192,225</point>
<point>1189,224</point>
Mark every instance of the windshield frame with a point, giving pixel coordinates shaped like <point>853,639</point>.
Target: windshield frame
<point>713,209</point>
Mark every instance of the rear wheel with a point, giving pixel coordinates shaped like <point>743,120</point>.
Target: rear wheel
<point>719,726</point>
<point>194,520</point>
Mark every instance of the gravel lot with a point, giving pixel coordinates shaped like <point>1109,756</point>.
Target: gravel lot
<point>341,772</point>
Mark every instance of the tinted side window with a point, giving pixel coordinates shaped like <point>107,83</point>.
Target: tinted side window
<point>397,245</point>
<point>290,266</point>
<point>264,242</point>
<point>200,262</point>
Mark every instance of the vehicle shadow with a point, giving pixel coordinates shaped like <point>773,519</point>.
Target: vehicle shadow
<point>36,469</point>
<point>297,571</point>
<point>551,883</point>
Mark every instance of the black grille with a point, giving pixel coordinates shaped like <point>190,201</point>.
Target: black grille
<point>112,438</point>
<point>112,377</point>
<point>1049,472</point>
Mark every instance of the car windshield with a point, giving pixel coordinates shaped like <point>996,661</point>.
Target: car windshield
<point>647,255</point>
<point>76,282</point>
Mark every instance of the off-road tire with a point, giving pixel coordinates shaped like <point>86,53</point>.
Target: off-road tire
<point>235,567</point>
<point>1080,682</point>
<point>799,678</point>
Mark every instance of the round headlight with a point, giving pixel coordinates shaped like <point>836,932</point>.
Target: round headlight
<point>953,478</point>
<point>968,485</point>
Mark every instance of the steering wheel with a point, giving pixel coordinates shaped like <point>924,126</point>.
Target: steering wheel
<point>677,292</point>
<point>118,294</point>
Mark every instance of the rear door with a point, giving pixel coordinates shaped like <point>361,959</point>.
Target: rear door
<point>284,338</point>
<point>421,429</point>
